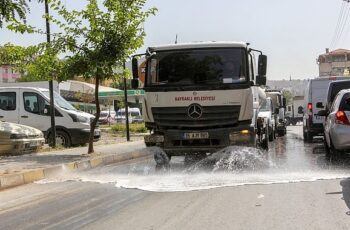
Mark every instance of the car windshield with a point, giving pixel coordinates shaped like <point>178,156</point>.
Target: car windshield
<point>197,67</point>
<point>60,101</point>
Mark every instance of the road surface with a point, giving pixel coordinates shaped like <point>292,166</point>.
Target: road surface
<point>292,186</point>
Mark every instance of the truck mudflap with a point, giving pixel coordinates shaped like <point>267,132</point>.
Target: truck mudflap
<point>182,142</point>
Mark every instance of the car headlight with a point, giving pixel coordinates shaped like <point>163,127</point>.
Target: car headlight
<point>18,136</point>
<point>78,118</point>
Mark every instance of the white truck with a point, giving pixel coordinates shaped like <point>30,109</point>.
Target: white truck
<point>30,106</point>
<point>201,97</point>
<point>279,104</point>
<point>293,115</point>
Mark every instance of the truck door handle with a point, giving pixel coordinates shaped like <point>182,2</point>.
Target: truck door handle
<point>24,116</point>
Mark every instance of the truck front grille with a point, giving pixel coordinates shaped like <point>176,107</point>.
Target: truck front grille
<point>212,116</point>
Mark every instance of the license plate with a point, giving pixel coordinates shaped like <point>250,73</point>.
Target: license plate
<point>33,144</point>
<point>201,135</point>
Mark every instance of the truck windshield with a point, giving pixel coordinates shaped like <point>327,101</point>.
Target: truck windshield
<point>265,106</point>
<point>197,67</point>
<point>60,101</point>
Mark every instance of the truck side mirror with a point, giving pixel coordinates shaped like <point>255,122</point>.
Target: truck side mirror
<point>319,105</point>
<point>135,68</point>
<point>277,111</point>
<point>262,65</point>
<point>284,102</point>
<point>261,80</point>
<point>300,110</point>
<point>134,83</point>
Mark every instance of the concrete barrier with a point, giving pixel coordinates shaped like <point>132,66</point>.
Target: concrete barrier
<point>29,176</point>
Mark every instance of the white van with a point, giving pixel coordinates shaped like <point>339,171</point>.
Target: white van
<point>30,106</point>
<point>134,115</point>
<point>314,101</point>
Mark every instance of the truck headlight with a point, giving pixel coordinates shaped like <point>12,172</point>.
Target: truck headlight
<point>18,136</point>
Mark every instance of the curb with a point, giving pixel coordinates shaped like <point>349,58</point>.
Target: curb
<point>31,175</point>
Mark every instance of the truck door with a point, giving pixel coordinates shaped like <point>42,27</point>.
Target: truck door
<point>9,105</point>
<point>34,110</point>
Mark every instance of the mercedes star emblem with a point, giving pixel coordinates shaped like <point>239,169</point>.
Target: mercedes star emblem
<point>195,111</point>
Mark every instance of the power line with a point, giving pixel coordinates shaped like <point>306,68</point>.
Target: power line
<point>340,17</point>
<point>343,25</point>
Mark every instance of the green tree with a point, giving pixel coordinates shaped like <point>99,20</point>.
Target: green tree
<point>100,38</point>
<point>33,62</point>
<point>13,10</point>
<point>288,95</point>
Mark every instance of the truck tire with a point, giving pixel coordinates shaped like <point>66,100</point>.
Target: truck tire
<point>162,160</point>
<point>265,139</point>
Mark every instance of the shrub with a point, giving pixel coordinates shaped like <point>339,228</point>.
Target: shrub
<point>134,128</point>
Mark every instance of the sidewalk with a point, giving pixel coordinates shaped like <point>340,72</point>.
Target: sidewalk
<point>21,169</point>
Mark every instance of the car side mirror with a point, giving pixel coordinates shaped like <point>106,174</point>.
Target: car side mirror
<point>261,80</point>
<point>319,105</point>
<point>322,113</point>
<point>300,110</point>
<point>46,111</point>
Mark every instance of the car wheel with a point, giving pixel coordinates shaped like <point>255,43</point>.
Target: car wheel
<point>333,152</point>
<point>328,152</point>
<point>62,139</point>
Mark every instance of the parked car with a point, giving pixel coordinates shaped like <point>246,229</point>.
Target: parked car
<point>16,139</point>
<point>134,115</point>
<point>315,99</point>
<point>30,106</point>
<point>106,117</point>
<point>337,125</point>
<point>267,111</point>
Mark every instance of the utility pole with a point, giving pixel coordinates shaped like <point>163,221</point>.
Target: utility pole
<point>126,107</point>
<point>52,103</point>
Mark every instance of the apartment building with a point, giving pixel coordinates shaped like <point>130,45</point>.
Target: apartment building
<point>8,74</point>
<point>334,63</point>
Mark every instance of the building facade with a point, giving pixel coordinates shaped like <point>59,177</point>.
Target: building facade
<point>334,63</point>
<point>8,74</point>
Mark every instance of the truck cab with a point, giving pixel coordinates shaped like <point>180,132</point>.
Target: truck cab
<point>201,97</point>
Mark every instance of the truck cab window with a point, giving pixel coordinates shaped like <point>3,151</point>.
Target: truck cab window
<point>198,67</point>
<point>8,101</point>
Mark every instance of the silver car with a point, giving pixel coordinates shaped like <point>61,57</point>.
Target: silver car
<point>17,139</point>
<point>337,125</point>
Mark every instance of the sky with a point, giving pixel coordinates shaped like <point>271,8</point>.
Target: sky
<point>291,33</point>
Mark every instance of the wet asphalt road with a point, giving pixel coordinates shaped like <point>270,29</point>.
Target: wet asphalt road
<point>293,186</point>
